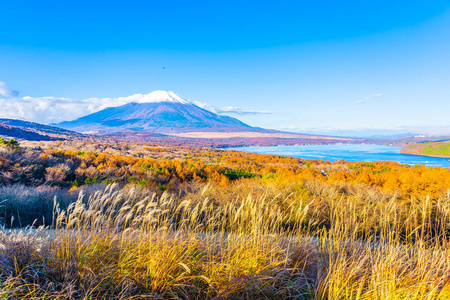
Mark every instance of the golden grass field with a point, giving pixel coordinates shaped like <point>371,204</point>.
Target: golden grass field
<point>246,241</point>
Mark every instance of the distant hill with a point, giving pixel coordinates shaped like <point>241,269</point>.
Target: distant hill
<point>32,131</point>
<point>18,133</point>
<point>439,148</point>
<point>391,137</point>
<point>163,112</point>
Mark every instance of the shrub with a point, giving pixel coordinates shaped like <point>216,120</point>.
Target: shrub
<point>22,206</point>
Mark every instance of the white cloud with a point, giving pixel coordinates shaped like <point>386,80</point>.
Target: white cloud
<point>54,110</point>
<point>205,106</point>
<point>46,109</point>
<point>230,109</point>
<point>7,92</point>
<point>367,98</point>
<point>241,111</point>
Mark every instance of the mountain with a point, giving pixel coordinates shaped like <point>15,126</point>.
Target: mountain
<point>31,131</point>
<point>164,116</point>
<point>157,112</point>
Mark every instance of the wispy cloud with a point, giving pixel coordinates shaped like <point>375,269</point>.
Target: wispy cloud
<point>7,92</point>
<point>230,109</point>
<point>367,98</point>
<point>241,111</point>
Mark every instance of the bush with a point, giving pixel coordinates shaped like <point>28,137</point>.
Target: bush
<point>91,180</point>
<point>236,174</point>
<point>11,143</point>
<point>22,206</point>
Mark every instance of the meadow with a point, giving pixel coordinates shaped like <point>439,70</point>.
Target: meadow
<point>134,221</point>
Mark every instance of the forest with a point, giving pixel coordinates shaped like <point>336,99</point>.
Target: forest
<point>112,220</point>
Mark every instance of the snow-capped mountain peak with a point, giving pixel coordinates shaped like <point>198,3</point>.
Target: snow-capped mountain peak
<point>158,111</point>
<point>157,97</point>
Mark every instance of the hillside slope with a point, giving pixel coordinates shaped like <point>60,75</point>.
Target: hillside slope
<point>436,149</point>
<point>32,131</point>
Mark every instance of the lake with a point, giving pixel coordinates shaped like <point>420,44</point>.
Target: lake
<point>349,152</point>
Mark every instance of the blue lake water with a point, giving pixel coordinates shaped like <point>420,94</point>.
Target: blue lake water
<point>366,153</point>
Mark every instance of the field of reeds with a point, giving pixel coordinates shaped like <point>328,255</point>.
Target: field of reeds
<point>250,239</point>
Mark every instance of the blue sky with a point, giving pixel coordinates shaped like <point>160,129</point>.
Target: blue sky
<point>317,66</point>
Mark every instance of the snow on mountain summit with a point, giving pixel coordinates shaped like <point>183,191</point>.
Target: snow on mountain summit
<point>156,97</point>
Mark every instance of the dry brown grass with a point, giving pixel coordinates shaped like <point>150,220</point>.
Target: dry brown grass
<point>251,240</point>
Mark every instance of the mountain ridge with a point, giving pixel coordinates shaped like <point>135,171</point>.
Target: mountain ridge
<point>33,131</point>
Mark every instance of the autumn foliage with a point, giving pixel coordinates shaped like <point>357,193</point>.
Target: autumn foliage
<point>167,169</point>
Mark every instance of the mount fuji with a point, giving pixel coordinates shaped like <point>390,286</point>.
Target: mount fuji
<point>158,112</point>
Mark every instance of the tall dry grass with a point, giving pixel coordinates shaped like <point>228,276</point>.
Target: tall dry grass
<point>252,240</point>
